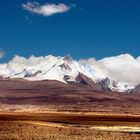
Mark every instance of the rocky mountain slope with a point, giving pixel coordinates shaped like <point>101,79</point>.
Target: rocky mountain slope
<point>21,95</point>
<point>63,69</point>
<point>136,90</point>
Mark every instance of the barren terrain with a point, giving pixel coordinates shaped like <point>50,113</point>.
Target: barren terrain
<point>42,96</point>
<point>53,110</point>
<point>63,126</point>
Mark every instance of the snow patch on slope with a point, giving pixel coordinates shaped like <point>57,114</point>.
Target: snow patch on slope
<point>122,71</point>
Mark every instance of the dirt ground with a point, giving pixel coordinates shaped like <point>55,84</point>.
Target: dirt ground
<point>25,131</point>
<point>59,126</point>
<point>66,99</point>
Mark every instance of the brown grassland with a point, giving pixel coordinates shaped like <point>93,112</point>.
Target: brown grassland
<point>68,126</point>
<point>56,111</point>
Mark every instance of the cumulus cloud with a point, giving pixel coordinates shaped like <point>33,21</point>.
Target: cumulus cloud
<point>122,68</point>
<point>2,54</point>
<point>46,9</point>
<point>19,64</point>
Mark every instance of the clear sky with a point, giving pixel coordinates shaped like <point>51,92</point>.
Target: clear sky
<point>88,28</point>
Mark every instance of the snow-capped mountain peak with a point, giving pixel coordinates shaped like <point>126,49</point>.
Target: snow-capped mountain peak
<point>63,69</point>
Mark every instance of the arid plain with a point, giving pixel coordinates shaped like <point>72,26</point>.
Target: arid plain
<point>54,110</point>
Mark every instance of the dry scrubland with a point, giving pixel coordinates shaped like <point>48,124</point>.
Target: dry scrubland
<point>59,126</point>
<point>29,131</point>
<point>53,96</point>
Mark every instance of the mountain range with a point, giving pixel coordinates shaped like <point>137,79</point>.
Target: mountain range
<point>63,69</point>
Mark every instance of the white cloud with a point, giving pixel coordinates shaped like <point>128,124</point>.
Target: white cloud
<point>46,9</point>
<point>122,68</point>
<point>2,54</point>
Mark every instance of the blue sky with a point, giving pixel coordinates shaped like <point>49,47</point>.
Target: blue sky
<point>89,28</point>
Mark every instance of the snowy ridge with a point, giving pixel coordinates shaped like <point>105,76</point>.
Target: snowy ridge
<point>63,69</point>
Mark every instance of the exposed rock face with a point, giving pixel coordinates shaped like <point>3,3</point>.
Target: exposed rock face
<point>108,84</point>
<point>65,66</point>
<point>105,83</point>
<point>136,89</point>
<point>83,79</point>
<point>68,58</point>
<point>67,78</point>
<point>33,75</point>
<point>36,73</point>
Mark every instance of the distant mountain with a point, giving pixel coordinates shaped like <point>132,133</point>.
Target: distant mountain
<point>136,89</point>
<point>84,80</point>
<point>63,69</point>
